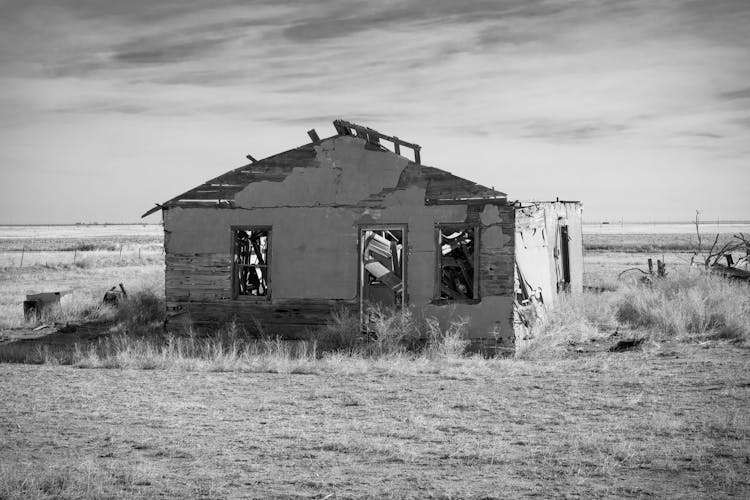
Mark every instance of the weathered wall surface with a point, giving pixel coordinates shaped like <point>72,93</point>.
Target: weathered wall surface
<point>571,214</point>
<point>537,237</point>
<point>315,214</point>
<point>534,245</point>
<point>540,261</point>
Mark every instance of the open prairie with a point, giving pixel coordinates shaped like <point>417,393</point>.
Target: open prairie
<point>84,260</point>
<point>611,249</point>
<point>145,417</point>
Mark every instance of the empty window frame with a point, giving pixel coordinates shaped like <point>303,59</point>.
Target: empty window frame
<point>457,262</point>
<point>250,266</point>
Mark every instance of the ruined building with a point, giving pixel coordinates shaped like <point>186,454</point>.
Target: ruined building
<point>346,222</point>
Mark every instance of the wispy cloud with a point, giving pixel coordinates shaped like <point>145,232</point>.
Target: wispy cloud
<point>590,76</point>
<point>736,94</point>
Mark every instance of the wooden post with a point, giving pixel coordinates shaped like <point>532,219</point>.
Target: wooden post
<point>730,259</point>
<point>650,266</point>
<point>661,269</point>
<point>120,252</point>
<point>23,250</point>
<point>139,254</point>
<point>75,252</point>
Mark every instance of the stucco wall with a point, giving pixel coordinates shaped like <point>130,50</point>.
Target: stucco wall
<point>537,235</point>
<point>315,214</point>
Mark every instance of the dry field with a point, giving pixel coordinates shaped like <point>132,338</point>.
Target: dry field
<point>167,418</point>
<point>670,421</point>
<point>86,260</point>
<point>612,249</point>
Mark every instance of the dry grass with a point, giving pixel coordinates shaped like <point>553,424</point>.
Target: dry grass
<point>406,414</point>
<point>88,280</point>
<point>687,306</point>
<point>649,243</point>
<point>616,425</point>
<point>695,306</point>
<point>577,319</point>
<point>137,341</point>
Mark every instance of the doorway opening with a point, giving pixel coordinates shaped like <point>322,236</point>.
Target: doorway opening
<point>564,253</point>
<point>382,268</point>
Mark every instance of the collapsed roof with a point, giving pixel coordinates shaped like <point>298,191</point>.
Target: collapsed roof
<point>441,187</point>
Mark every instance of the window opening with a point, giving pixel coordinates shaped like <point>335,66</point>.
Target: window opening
<point>251,261</point>
<point>382,259</point>
<point>457,271</point>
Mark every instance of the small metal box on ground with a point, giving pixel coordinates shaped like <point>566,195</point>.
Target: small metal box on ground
<point>35,303</point>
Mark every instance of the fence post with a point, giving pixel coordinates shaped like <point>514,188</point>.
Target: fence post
<point>23,251</point>
<point>661,269</point>
<point>75,253</point>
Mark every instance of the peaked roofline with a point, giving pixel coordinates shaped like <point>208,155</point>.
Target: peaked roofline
<point>442,187</point>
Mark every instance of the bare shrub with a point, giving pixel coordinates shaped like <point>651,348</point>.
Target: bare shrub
<point>448,343</point>
<point>141,312</point>
<point>394,331</point>
<point>391,331</point>
<point>85,263</point>
<point>342,332</point>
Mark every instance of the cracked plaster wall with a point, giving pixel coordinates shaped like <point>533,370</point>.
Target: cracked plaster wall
<point>315,214</point>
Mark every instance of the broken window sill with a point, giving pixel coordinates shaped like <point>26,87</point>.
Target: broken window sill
<point>444,302</point>
<point>252,298</point>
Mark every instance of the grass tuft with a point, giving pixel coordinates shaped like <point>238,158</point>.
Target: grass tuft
<point>691,306</point>
<point>393,331</point>
<point>449,343</point>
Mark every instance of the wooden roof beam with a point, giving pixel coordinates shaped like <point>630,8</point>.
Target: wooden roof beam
<point>344,127</point>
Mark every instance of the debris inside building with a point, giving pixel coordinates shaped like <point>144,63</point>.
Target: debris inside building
<point>349,222</point>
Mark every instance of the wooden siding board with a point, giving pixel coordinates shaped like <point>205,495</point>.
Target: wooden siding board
<point>191,277</point>
<point>290,318</point>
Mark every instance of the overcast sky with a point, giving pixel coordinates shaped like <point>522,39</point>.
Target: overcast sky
<point>641,109</point>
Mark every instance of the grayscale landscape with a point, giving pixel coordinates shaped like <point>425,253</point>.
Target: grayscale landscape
<point>335,249</point>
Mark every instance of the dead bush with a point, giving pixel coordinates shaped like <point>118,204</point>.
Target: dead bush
<point>342,332</point>
<point>141,312</point>
<point>393,330</point>
<point>446,343</point>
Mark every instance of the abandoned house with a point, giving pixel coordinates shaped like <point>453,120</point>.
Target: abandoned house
<point>346,222</point>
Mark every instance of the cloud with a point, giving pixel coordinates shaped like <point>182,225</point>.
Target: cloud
<point>591,78</point>
<point>157,52</point>
<point>703,134</point>
<point>343,19</point>
<point>572,131</point>
<point>736,94</point>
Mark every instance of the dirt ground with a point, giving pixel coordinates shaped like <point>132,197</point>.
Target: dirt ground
<point>669,421</point>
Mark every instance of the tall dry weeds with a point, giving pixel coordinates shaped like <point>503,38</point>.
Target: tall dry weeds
<point>446,343</point>
<point>694,305</point>
<point>574,319</point>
